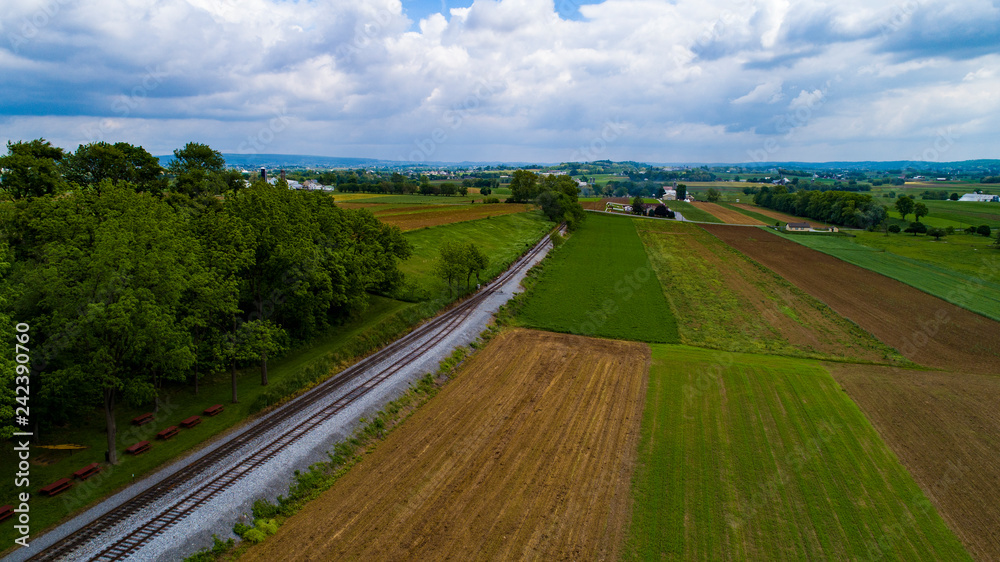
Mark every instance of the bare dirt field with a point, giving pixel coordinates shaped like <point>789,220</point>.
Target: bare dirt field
<point>529,454</point>
<point>925,329</point>
<point>727,216</point>
<point>945,428</point>
<point>779,216</point>
<point>412,217</point>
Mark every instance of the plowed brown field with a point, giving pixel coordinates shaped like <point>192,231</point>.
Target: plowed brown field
<point>529,454</point>
<point>945,428</point>
<point>925,329</point>
<point>418,216</point>
<point>779,216</point>
<point>725,215</point>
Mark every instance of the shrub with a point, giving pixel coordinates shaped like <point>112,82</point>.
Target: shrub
<point>557,239</point>
<point>491,200</point>
<point>950,230</point>
<point>916,228</point>
<point>254,535</point>
<point>894,228</point>
<point>984,229</point>
<point>936,232</point>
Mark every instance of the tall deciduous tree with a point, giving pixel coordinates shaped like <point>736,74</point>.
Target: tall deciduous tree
<point>523,186</point>
<point>31,169</point>
<point>919,210</point>
<point>905,206</point>
<point>116,265</point>
<point>93,163</point>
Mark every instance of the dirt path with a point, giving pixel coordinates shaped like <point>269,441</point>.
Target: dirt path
<point>727,216</point>
<point>925,329</point>
<point>527,455</point>
<point>945,428</point>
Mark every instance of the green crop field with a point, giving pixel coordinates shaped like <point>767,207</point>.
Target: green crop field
<point>692,213</point>
<point>502,238</point>
<point>962,269</point>
<point>600,283</point>
<point>722,300</point>
<point>750,457</point>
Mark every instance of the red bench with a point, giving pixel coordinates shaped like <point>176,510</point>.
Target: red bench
<point>191,422</point>
<point>6,512</point>
<point>87,471</point>
<point>213,410</point>
<point>56,487</point>
<point>139,448</point>
<point>143,419</point>
<point>168,433</point>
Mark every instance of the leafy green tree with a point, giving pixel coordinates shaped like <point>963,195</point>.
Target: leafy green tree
<point>936,232</point>
<point>425,186</point>
<point>681,192</point>
<point>523,186</point>
<point>116,264</point>
<point>7,333</point>
<point>637,205</point>
<point>984,229</point>
<point>31,169</point>
<point>476,261</point>
<point>451,262</point>
<point>894,228</point>
<point>919,210</point>
<point>93,163</point>
<point>954,197</point>
<point>260,339</point>
<point>196,156</point>
<point>905,205</point>
<point>712,195</point>
<point>916,228</point>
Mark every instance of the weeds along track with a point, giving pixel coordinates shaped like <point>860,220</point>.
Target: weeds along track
<point>206,485</point>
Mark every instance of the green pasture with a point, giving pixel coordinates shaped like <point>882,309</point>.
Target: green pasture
<point>503,239</point>
<point>600,283</point>
<point>752,457</point>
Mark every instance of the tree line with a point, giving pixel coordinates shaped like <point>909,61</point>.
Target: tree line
<point>133,276</point>
<point>836,207</point>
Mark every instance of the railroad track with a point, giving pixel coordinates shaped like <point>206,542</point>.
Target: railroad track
<point>434,332</point>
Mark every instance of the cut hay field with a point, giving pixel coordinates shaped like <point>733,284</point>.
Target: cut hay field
<point>727,216</point>
<point>924,328</point>
<point>961,269</point>
<point>781,217</point>
<point>945,428</point>
<point>747,457</point>
<point>528,454</point>
<point>502,238</point>
<point>722,300</point>
<point>600,283</point>
<point>412,217</point>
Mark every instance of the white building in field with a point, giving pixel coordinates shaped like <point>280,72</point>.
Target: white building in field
<point>980,197</point>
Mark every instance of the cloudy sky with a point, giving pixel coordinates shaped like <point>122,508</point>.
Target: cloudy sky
<point>535,80</point>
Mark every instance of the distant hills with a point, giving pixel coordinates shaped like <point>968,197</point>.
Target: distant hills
<point>292,161</point>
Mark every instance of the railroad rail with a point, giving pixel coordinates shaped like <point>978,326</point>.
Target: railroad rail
<point>434,331</point>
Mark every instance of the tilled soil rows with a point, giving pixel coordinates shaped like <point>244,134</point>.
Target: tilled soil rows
<point>924,328</point>
<point>725,215</point>
<point>529,454</point>
<point>945,428</point>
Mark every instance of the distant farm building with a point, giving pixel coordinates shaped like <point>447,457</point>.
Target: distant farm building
<point>798,227</point>
<point>980,197</point>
